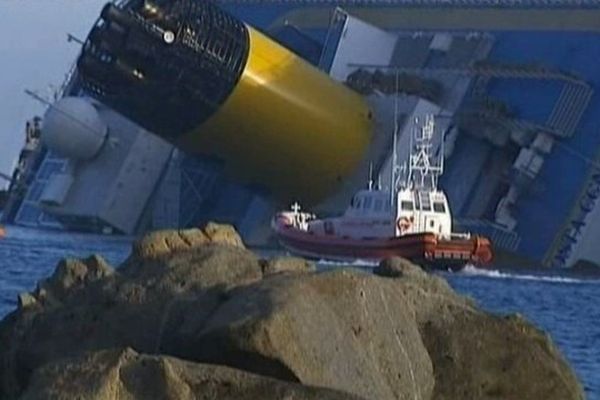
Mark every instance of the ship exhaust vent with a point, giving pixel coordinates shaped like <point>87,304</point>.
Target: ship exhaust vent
<point>167,65</point>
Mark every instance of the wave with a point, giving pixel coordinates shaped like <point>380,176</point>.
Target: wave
<point>350,263</point>
<point>471,270</point>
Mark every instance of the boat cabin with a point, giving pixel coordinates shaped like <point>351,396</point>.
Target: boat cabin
<point>370,204</point>
<point>423,211</point>
<point>369,215</point>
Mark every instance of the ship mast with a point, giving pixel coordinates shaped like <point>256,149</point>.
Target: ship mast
<point>393,171</point>
<point>423,174</point>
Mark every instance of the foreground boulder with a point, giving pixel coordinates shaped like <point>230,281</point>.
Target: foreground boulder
<point>124,374</point>
<point>202,297</point>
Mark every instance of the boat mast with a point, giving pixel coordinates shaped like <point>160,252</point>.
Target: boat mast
<point>394,145</point>
<point>420,158</point>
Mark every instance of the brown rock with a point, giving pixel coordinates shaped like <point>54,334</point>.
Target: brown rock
<point>479,356</point>
<point>26,300</point>
<point>342,329</point>
<point>164,243</point>
<point>126,375</point>
<point>402,338</point>
<point>287,264</point>
<point>396,267</point>
<point>223,234</point>
<point>149,307</point>
<point>71,275</point>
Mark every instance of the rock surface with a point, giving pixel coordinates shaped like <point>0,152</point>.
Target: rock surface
<point>124,374</point>
<point>200,296</point>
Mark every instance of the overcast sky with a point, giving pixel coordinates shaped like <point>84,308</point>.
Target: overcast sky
<point>34,54</point>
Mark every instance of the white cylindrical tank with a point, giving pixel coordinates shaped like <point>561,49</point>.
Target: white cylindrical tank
<point>72,128</point>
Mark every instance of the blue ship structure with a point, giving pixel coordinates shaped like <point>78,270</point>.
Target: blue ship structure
<point>524,166</point>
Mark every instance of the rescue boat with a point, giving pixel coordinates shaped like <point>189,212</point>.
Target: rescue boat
<point>411,219</point>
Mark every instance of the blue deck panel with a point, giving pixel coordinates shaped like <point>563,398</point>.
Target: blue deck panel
<point>463,170</point>
<point>543,213</point>
<point>531,100</point>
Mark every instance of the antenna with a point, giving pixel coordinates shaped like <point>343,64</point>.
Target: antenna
<point>395,145</point>
<point>38,97</point>
<point>421,169</point>
<point>73,38</point>
<point>5,177</point>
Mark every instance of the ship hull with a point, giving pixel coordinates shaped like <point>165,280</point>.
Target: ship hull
<point>423,248</point>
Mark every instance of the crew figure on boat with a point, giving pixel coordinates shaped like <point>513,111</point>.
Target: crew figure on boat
<point>413,220</point>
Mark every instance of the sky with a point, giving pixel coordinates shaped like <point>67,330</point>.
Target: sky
<point>35,54</point>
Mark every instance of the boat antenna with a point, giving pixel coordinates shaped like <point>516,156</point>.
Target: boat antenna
<point>394,145</point>
<point>371,175</point>
<point>442,157</point>
<point>409,176</point>
<point>73,38</point>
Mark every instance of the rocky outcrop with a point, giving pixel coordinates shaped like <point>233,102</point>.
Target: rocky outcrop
<point>124,374</point>
<point>164,243</point>
<point>71,276</point>
<point>277,325</point>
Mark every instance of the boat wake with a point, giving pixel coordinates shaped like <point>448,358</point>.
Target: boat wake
<point>350,263</point>
<point>471,270</point>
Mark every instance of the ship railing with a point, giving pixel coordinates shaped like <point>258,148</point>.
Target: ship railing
<point>569,108</point>
<point>67,83</point>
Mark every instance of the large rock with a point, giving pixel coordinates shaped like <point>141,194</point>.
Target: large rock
<point>71,276</point>
<point>403,335</point>
<point>342,329</point>
<point>164,243</point>
<point>125,375</point>
<point>397,267</point>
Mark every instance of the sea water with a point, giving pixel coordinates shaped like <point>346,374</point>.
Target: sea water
<point>567,308</point>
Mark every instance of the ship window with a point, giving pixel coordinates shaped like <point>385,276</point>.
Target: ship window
<point>378,205</point>
<point>406,205</point>
<point>357,203</point>
<point>367,203</point>
<point>439,207</point>
<point>431,223</point>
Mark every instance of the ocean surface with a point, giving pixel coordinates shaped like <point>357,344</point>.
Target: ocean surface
<point>567,308</point>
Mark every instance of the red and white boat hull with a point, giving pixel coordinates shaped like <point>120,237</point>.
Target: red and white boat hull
<point>424,248</point>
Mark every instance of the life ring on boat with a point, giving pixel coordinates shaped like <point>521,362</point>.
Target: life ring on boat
<point>403,224</point>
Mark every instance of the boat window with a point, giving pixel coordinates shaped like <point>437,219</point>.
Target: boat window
<point>431,223</point>
<point>406,205</point>
<point>378,205</point>
<point>356,203</point>
<point>367,203</point>
<point>439,207</point>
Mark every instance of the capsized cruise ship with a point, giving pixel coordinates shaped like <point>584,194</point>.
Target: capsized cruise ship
<point>512,84</point>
